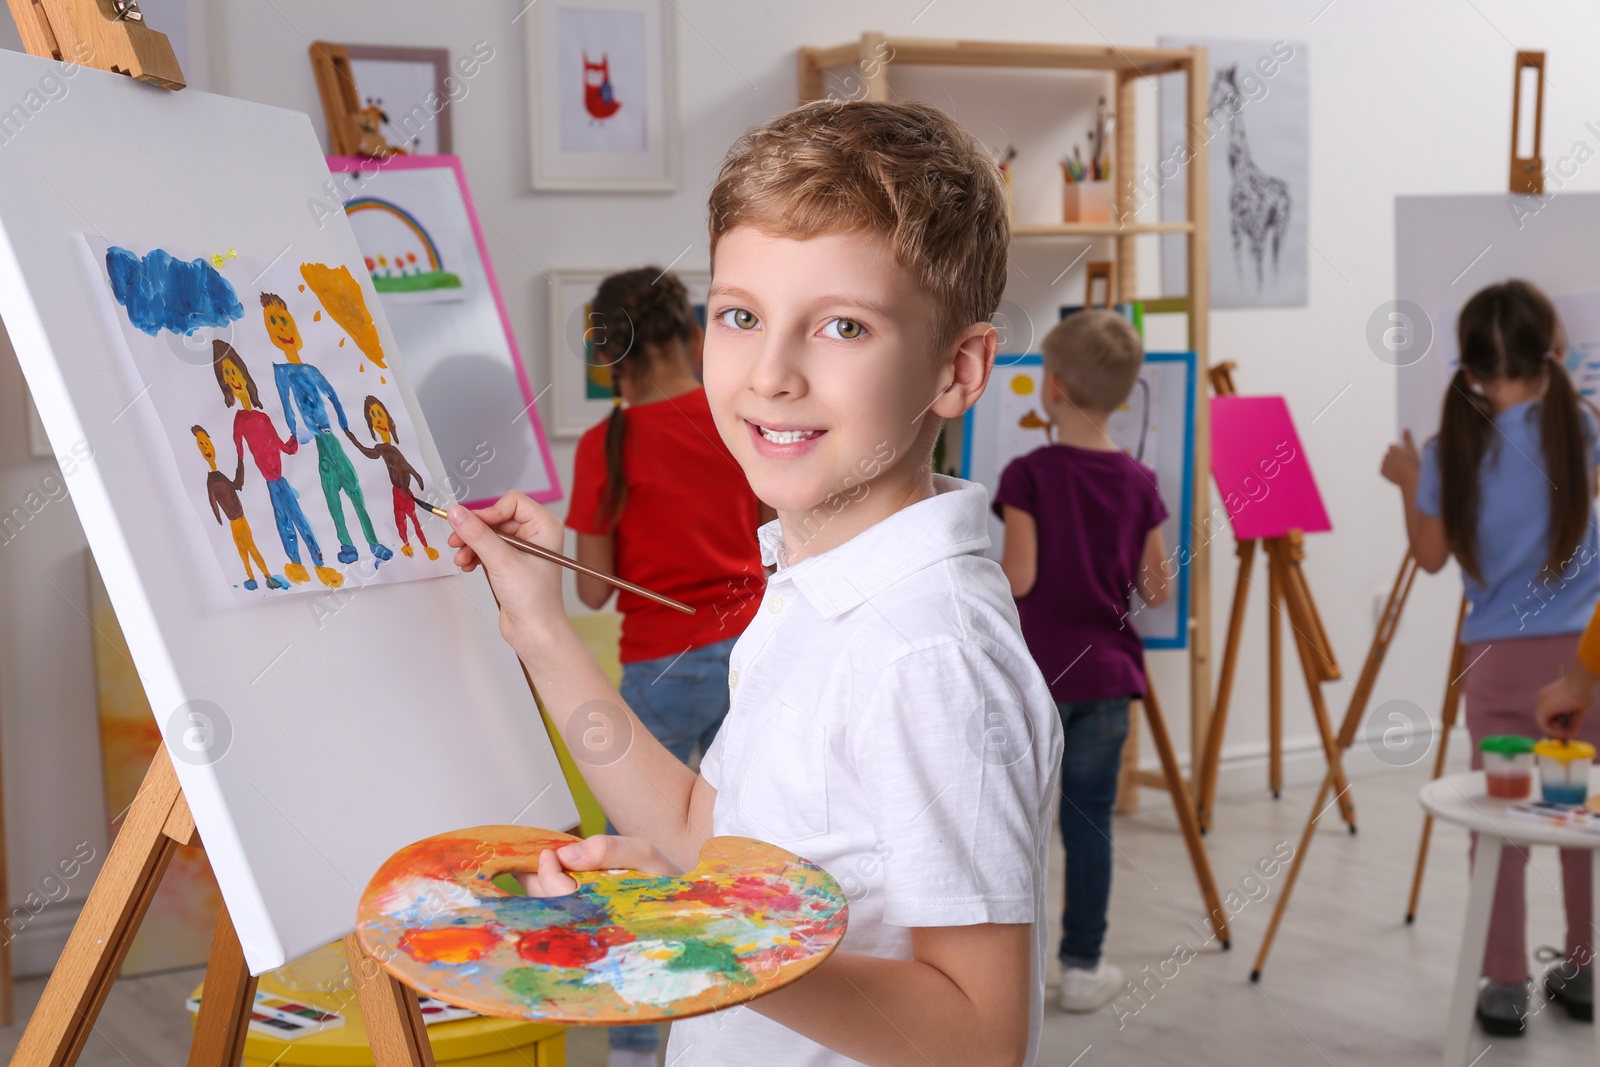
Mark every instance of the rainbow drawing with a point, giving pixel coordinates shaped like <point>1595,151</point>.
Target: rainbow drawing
<point>400,269</point>
<point>625,948</point>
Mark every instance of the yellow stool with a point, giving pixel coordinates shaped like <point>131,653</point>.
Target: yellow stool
<point>318,980</point>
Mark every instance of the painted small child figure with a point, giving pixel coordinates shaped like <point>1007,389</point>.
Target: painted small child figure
<point>223,493</point>
<point>1083,533</point>
<point>383,431</point>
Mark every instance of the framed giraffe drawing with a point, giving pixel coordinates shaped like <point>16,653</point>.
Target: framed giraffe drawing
<point>1257,118</point>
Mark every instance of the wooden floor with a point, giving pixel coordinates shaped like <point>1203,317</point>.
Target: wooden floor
<point>1347,983</point>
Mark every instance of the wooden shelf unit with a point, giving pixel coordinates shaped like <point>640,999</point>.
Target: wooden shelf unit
<point>875,54</point>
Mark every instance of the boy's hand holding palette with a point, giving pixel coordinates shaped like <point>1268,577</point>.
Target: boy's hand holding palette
<point>625,948</point>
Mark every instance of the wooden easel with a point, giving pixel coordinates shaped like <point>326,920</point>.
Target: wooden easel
<point>159,820</point>
<point>1288,594</point>
<point>1376,653</point>
<point>1183,807</point>
<point>157,823</point>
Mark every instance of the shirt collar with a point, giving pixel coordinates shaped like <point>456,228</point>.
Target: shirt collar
<point>952,522</point>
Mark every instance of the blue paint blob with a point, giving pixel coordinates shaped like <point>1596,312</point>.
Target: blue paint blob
<point>165,293</point>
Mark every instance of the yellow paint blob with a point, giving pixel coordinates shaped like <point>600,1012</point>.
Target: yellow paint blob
<point>382,380</point>
<point>341,297</point>
<point>1021,384</point>
<point>318,316</point>
<point>341,342</point>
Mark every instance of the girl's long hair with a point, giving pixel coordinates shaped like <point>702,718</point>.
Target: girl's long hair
<point>1511,330</point>
<point>634,316</point>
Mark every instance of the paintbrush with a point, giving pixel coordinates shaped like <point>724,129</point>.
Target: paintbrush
<point>571,564</point>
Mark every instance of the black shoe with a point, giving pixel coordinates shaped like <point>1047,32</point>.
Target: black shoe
<point>1503,1008</point>
<point>1572,987</point>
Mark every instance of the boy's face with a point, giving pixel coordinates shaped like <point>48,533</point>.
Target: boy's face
<point>819,369</point>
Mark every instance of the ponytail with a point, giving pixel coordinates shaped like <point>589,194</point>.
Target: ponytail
<point>1565,436</point>
<point>637,314</point>
<point>1511,331</point>
<point>1464,430</point>
<point>616,490</point>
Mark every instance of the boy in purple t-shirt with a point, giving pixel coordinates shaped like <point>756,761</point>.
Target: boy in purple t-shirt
<point>1083,534</point>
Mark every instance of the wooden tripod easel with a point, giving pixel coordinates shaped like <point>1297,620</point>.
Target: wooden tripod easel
<point>1183,806</point>
<point>1379,649</point>
<point>90,33</point>
<point>1288,594</point>
<point>157,823</point>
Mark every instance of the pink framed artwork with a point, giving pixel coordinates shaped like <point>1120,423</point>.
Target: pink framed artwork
<point>419,232</point>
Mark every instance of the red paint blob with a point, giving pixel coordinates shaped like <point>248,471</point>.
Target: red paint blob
<point>556,946</point>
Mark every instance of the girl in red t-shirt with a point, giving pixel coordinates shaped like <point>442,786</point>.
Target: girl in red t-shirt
<point>658,499</point>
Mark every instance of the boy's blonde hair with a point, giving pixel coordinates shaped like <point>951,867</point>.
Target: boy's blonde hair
<point>904,171</point>
<point>1097,354</point>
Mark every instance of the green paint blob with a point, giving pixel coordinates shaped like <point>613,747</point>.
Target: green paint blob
<point>713,956</point>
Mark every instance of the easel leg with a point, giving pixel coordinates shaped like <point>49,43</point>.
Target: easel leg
<point>1274,685</point>
<point>1182,806</point>
<point>1206,783</point>
<point>100,939</point>
<point>1447,722</point>
<point>1303,624</point>
<point>1376,653</point>
<point>394,1022</point>
<point>226,1004</point>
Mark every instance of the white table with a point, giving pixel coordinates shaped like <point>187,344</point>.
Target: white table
<point>1463,799</point>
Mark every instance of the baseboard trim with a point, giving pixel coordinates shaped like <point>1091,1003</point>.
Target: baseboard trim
<point>1243,768</point>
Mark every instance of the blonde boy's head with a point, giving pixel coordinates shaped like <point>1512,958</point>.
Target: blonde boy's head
<point>1097,356</point>
<point>904,171</point>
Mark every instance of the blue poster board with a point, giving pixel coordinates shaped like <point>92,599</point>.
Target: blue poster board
<point>1156,427</point>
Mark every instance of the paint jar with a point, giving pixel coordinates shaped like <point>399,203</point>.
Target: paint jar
<point>1508,765</point>
<point>1564,770</point>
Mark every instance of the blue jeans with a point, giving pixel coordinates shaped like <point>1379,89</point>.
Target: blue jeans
<point>681,700</point>
<point>1095,731</point>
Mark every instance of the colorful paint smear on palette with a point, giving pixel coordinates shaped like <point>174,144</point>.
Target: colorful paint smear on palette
<point>246,364</point>
<point>625,948</point>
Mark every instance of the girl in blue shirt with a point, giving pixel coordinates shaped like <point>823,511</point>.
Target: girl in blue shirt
<point>1507,488</point>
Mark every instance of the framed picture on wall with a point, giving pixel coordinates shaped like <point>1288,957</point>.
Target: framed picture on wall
<point>602,96</point>
<point>579,383</point>
<point>383,100</point>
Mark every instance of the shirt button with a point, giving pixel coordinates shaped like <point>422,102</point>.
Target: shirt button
<point>733,679</point>
<point>775,604</point>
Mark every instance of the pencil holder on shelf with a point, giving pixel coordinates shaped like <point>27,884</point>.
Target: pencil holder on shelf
<point>1086,202</point>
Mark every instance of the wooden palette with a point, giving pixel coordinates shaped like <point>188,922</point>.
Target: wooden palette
<point>625,948</point>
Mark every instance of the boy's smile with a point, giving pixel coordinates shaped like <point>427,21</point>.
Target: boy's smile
<point>820,374</point>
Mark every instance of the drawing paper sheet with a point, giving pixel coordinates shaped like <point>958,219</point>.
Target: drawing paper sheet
<point>283,497</point>
<point>446,309</point>
<point>1154,427</point>
<point>1263,475</point>
<point>315,733</point>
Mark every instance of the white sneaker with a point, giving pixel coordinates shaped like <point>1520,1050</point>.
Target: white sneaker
<point>1084,990</point>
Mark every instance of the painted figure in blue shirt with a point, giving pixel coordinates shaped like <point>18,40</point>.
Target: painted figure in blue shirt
<point>302,388</point>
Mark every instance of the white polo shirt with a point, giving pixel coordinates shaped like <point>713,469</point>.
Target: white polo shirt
<point>888,723</point>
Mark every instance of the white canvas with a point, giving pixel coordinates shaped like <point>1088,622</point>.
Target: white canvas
<point>1449,247</point>
<point>285,539</point>
<point>603,100</point>
<point>1258,135</point>
<point>313,735</point>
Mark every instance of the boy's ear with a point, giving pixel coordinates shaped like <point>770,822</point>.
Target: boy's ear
<point>972,363</point>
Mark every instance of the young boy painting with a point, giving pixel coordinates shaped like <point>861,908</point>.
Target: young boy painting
<point>886,719</point>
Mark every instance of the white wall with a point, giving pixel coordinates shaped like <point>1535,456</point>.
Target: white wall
<point>1407,98</point>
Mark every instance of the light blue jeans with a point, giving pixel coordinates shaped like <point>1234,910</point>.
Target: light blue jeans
<point>681,700</point>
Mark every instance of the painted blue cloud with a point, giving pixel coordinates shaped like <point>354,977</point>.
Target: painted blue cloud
<point>165,293</point>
